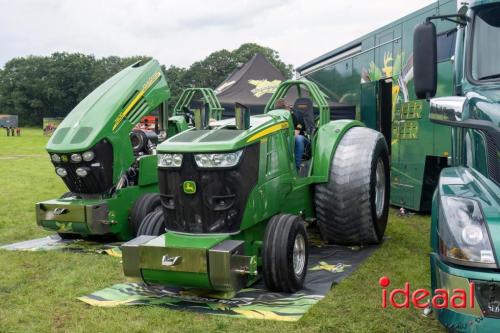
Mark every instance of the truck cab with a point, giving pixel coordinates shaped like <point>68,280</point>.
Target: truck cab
<point>465,231</point>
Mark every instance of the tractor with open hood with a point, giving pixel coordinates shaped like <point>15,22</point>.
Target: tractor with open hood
<point>105,153</point>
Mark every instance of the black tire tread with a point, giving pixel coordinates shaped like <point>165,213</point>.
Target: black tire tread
<point>277,260</point>
<point>343,206</point>
<point>153,224</point>
<point>144,205</point>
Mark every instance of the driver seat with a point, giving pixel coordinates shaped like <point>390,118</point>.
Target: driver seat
<point>304,112</point>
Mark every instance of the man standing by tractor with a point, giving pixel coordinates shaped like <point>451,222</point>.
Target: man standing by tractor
<point>300,139</point>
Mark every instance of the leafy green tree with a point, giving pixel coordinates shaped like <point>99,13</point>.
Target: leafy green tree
<point>34,87</point>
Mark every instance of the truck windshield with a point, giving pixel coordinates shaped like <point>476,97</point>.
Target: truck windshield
<point>486,44</point>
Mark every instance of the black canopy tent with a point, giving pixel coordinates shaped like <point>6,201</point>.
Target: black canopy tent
<point>251,85</point>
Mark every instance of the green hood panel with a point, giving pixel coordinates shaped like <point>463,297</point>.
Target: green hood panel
<point>108,112</point>
<point>223,136</point>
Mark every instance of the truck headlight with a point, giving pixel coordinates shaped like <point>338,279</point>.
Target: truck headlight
<point>88,156</point>
<point>225,160</point>
<point>76,158</point>
<point>463,236</point>
<point>61,172</point>
<point>169,160</point>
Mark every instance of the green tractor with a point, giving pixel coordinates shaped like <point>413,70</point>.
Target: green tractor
<point>235,207</point>
<point>106,155</point>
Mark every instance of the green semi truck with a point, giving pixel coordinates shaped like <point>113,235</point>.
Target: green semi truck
<point>107,161</point>
<point>374,74</point>
<point>235,206</point>
<point>465,230</point>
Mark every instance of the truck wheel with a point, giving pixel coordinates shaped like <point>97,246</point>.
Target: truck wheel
<point>146,204</point>
<point>285,253</point>
<point>153,224</point>
<point>352,207</point>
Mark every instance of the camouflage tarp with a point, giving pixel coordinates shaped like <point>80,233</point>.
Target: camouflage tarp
<point>328,265</point>
<point>54,242</point>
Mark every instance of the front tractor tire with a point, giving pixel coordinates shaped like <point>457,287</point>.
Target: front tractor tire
<point>284,253</point>
<point>144,205</point>
<point>153,224</point>
<point>352,207</point>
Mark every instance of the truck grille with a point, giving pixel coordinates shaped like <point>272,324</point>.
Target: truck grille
<point>221,195</point>
<point>493,159</point>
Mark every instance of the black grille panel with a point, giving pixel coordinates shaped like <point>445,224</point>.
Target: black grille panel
<point>493,159</point>
<point>100,177</point>
<point>221,195</point>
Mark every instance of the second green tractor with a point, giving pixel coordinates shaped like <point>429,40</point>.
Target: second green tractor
<point>234,207</point>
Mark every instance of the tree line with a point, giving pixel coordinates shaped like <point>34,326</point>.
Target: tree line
<point>35,87</point>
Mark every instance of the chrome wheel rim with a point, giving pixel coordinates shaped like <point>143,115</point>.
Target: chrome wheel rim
<point>299,254</point>
<point>380,188</point>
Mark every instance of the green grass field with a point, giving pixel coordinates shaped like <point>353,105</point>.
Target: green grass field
<point>38,290</point>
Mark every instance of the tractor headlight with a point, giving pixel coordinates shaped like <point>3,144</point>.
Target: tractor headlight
<point>82,172</point>
<point>88,156</point>
<point>61,172</point>
<point>76,158</point>
<point>225,160</point>
<point>170,160</point>
<point>55,158</point>
<point>463,237</point>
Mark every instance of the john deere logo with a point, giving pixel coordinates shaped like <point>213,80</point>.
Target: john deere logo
<point>189,187</point>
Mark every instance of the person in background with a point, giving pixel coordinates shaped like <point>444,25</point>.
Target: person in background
<point>300,139</point>
<point>18,131</point>
<point>12,131</point>
<point>7,130</point>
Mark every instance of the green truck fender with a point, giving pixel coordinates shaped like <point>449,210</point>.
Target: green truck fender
<point>325,143</point>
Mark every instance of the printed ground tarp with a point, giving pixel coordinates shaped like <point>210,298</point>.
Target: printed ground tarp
<point>328,265</point>
<point>54,242</point>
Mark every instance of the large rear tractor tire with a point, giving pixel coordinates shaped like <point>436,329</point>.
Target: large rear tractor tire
<point>352,207</point>
<point>153,224</point>
<point>146,204</point>
<point>285,253</point>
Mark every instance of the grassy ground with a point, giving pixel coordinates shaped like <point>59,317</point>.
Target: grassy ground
<point>38,290</point>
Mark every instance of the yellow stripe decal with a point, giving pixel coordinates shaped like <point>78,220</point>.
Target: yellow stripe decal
<point>268,130</point>
<point>136,99</point>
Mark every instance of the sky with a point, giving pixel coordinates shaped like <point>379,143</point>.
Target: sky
<point>183,31</point>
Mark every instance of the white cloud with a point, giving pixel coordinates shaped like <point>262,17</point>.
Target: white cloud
<point>181,32</point>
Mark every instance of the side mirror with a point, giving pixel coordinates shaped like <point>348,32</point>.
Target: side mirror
<point>447,110</point>
<point>242,116</point>
<point>425,60</point>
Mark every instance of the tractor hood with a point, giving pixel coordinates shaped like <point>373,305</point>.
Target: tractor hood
<point>223,135</point>
<point>111,110</point>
